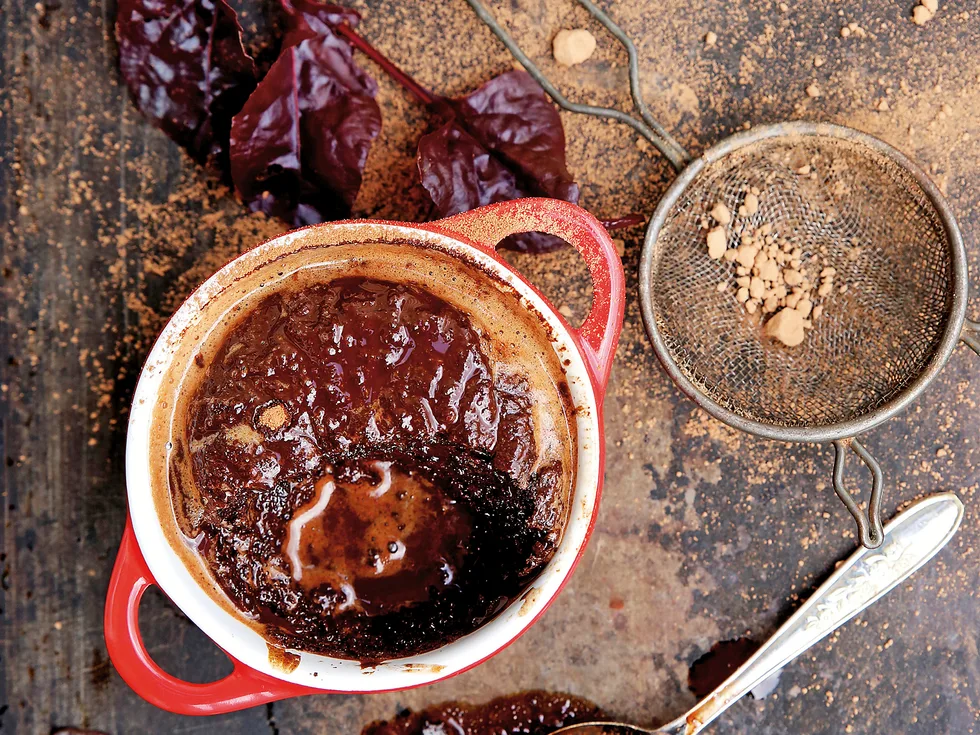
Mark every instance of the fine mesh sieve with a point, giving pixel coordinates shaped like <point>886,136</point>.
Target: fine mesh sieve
<point>841,199</point>
<point>867,218</point>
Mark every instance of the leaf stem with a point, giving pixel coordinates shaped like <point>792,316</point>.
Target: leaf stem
<point>421,93</point>
<point>630,220</point>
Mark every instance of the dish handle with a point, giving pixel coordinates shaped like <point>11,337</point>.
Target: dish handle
<point>243,687</point>
<point>487,226</point>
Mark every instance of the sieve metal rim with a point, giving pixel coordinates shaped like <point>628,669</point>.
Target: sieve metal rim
<point>841,429</point>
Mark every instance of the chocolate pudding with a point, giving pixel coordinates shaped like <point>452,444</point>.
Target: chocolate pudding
<point>365,472</point>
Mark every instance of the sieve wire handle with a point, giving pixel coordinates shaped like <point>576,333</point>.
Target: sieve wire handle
<point>971,335</point>
<point>869,526</point>
<point>649,128</point>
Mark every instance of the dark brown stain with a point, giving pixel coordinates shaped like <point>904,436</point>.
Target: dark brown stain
<point>718,664</point>
<point>100,670</point>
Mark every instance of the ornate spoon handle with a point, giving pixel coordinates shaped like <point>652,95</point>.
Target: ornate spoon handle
<point>910,540</point>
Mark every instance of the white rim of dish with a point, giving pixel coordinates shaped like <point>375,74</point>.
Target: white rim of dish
<point>243,642</point>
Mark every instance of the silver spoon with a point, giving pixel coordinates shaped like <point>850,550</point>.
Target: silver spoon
<point>911,539</point>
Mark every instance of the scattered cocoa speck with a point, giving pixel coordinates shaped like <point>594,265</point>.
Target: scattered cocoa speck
<point>924,12</point>
<point>786,326</point>
<point>721,214</point>
<point>717,242</point>
<point>572,47</point>
<point>274,417</point>
<point>773,273</point>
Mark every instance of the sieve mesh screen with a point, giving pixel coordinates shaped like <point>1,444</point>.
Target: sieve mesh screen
<point>858,211</point>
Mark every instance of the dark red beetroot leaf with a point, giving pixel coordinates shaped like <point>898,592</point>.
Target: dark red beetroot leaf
<point>514,117</point>
<point>186,69</point>
<point>319,16</point>
<point>504,141</point>
<point>497,139</point>
<point>299,145</point>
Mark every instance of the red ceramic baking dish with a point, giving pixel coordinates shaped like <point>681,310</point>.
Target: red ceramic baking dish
<point>147,555</point>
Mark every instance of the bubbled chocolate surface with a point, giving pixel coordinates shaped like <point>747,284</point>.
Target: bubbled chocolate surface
<point>365,483</point>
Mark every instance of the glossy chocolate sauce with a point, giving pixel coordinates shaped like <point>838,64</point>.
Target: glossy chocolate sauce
<point>364,481</point>
<point>528,713</point>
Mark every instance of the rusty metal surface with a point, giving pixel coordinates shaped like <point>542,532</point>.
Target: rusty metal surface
<point>704,534</point>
